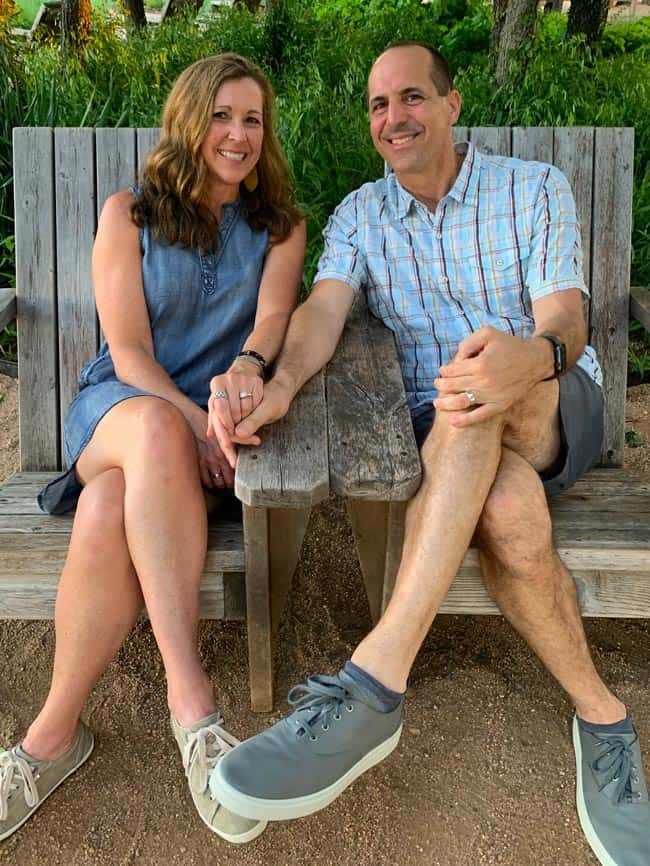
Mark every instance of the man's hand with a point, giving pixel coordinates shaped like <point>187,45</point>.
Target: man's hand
<point>274,405</point>
<point>497,368</point>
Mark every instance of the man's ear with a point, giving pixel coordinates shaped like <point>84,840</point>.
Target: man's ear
<point>455,104</point>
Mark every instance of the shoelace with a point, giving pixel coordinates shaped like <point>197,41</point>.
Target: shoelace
<point>320,699</point>
<point>13,771</point>
<point>614,764</point>
<point>204,748</point>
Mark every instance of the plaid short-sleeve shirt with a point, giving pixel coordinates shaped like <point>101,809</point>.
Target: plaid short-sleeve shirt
<point>504,236</point>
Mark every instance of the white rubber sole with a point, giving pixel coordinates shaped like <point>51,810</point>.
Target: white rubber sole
<point>240,838</point>
<point>51,791</point>
<point>297,807</point>
<point>587,827</point>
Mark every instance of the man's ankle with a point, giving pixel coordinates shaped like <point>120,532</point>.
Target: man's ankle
<point>607,712</point>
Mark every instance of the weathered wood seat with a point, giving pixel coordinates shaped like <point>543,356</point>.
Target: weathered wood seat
<point>348,431</point>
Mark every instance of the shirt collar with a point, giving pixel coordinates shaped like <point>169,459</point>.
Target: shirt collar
<point>464,189</point>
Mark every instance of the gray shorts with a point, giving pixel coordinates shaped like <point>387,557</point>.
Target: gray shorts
<point>581,430</point>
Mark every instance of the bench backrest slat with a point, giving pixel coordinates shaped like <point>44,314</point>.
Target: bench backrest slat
<point>63,177</point>
<point>76,215</point>
<point>36,298</point>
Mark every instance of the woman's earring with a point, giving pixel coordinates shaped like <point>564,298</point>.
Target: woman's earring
<point>251,180</point>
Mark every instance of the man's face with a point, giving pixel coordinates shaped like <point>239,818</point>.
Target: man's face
<point>410,122</point>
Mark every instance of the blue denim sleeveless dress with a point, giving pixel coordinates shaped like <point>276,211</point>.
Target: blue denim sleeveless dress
<point>201,309</point>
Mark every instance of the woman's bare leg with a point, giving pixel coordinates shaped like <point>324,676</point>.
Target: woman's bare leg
<point>97,603</point>
<point>166,532</point>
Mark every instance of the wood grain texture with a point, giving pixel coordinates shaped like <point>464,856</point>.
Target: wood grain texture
<point>146,138</point>
<point>610,276</point>
<point>460,133</point>
<point>494,140</point>
<point>290,467</point>
<point>534,143</point>
<point>574,156</point>
<point>369,521</point>
<point>8,307</point>
<point>372,449</point>
<point>640,305</point>
<point>115,158</point>
<point>287,527</point>
<point>258,608</point>
<point>74,160</point>
<point>36,298</point>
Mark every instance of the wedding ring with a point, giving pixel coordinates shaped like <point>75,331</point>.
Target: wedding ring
<point>243,394</point>
<point>471,396</point>
<point>217,474</point>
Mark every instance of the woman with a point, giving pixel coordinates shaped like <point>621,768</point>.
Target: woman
<point>196,272</point>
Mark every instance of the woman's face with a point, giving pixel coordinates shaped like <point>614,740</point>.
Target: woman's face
<point>233,142</point>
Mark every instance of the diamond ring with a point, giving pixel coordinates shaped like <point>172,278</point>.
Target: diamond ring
<point>219,395</point>
<point>471,396</point>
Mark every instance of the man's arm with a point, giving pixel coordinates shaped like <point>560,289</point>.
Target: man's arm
<point>313,334</point>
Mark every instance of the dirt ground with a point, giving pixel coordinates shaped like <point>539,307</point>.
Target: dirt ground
<point>483,774</point>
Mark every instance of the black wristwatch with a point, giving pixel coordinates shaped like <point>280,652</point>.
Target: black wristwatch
<point>559,356</point>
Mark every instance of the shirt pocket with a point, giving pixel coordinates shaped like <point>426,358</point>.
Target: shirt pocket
<point>494,282</point>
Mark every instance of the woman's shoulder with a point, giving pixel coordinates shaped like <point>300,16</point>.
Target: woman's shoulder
<point>119,204</point>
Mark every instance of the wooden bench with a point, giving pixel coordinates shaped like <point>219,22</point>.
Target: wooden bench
<point>348,431</point>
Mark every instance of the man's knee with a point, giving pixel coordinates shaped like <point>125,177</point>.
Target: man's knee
<point>444,434</point>
<point>532,425</point>
<point>515,526</point>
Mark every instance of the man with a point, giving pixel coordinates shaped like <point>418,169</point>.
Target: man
<point>474,262</point>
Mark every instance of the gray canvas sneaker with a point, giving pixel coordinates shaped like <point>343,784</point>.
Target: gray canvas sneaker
<point>612,796</point>
<point>304,762</point>
<point>26,782</point>
<point>202,746</point>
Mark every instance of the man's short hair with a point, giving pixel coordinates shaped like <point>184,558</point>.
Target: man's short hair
<point>440,72</point>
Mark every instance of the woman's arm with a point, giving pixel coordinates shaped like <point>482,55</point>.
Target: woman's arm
<point>277,299</point>
<point>119,294</point>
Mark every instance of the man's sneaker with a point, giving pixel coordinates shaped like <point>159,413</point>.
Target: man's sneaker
<point>202,746</point>
<point>304,762</point>
<point>612,796</point>
<point>26,782</point>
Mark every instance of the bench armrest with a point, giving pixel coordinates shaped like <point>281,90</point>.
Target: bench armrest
<point>640,305</point>
<point>290,467</point>
<point>7,306</point>
<point>372,448</point>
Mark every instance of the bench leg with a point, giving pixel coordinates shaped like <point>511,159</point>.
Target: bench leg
<point>378,529</point>
<point>272,542</point>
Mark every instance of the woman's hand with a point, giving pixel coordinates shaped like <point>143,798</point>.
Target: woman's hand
<point>233,396</point>
<point>214,469</point>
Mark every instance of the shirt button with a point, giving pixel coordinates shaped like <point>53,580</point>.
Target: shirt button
<point>499,263</point>
<point>438,235</point>
<point>445,280</point>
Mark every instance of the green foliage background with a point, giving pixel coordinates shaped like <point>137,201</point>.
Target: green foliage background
<point>318,55</point>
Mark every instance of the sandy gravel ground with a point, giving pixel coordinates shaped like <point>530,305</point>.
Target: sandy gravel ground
<point>483,774</point>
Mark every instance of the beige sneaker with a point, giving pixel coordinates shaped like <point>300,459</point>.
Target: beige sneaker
<point>26,782</point>
<point>202,745</point>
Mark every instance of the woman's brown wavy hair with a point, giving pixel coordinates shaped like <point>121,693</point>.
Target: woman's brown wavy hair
<point>174,180</point>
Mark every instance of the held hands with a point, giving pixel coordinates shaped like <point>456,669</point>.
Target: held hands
<point>274,404</point>
<point>233,396</point>
<point>489,373</point>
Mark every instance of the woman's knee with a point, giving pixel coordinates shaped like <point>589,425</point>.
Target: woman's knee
<point>160,430</point>
<point>100,511</point>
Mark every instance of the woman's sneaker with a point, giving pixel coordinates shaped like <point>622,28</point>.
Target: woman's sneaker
<point>25,782</point>
<point>304,762</point>
<point>202,746</point>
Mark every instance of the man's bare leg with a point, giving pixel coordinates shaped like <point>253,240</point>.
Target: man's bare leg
<point>532,588</point>
<point>459,467</point>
